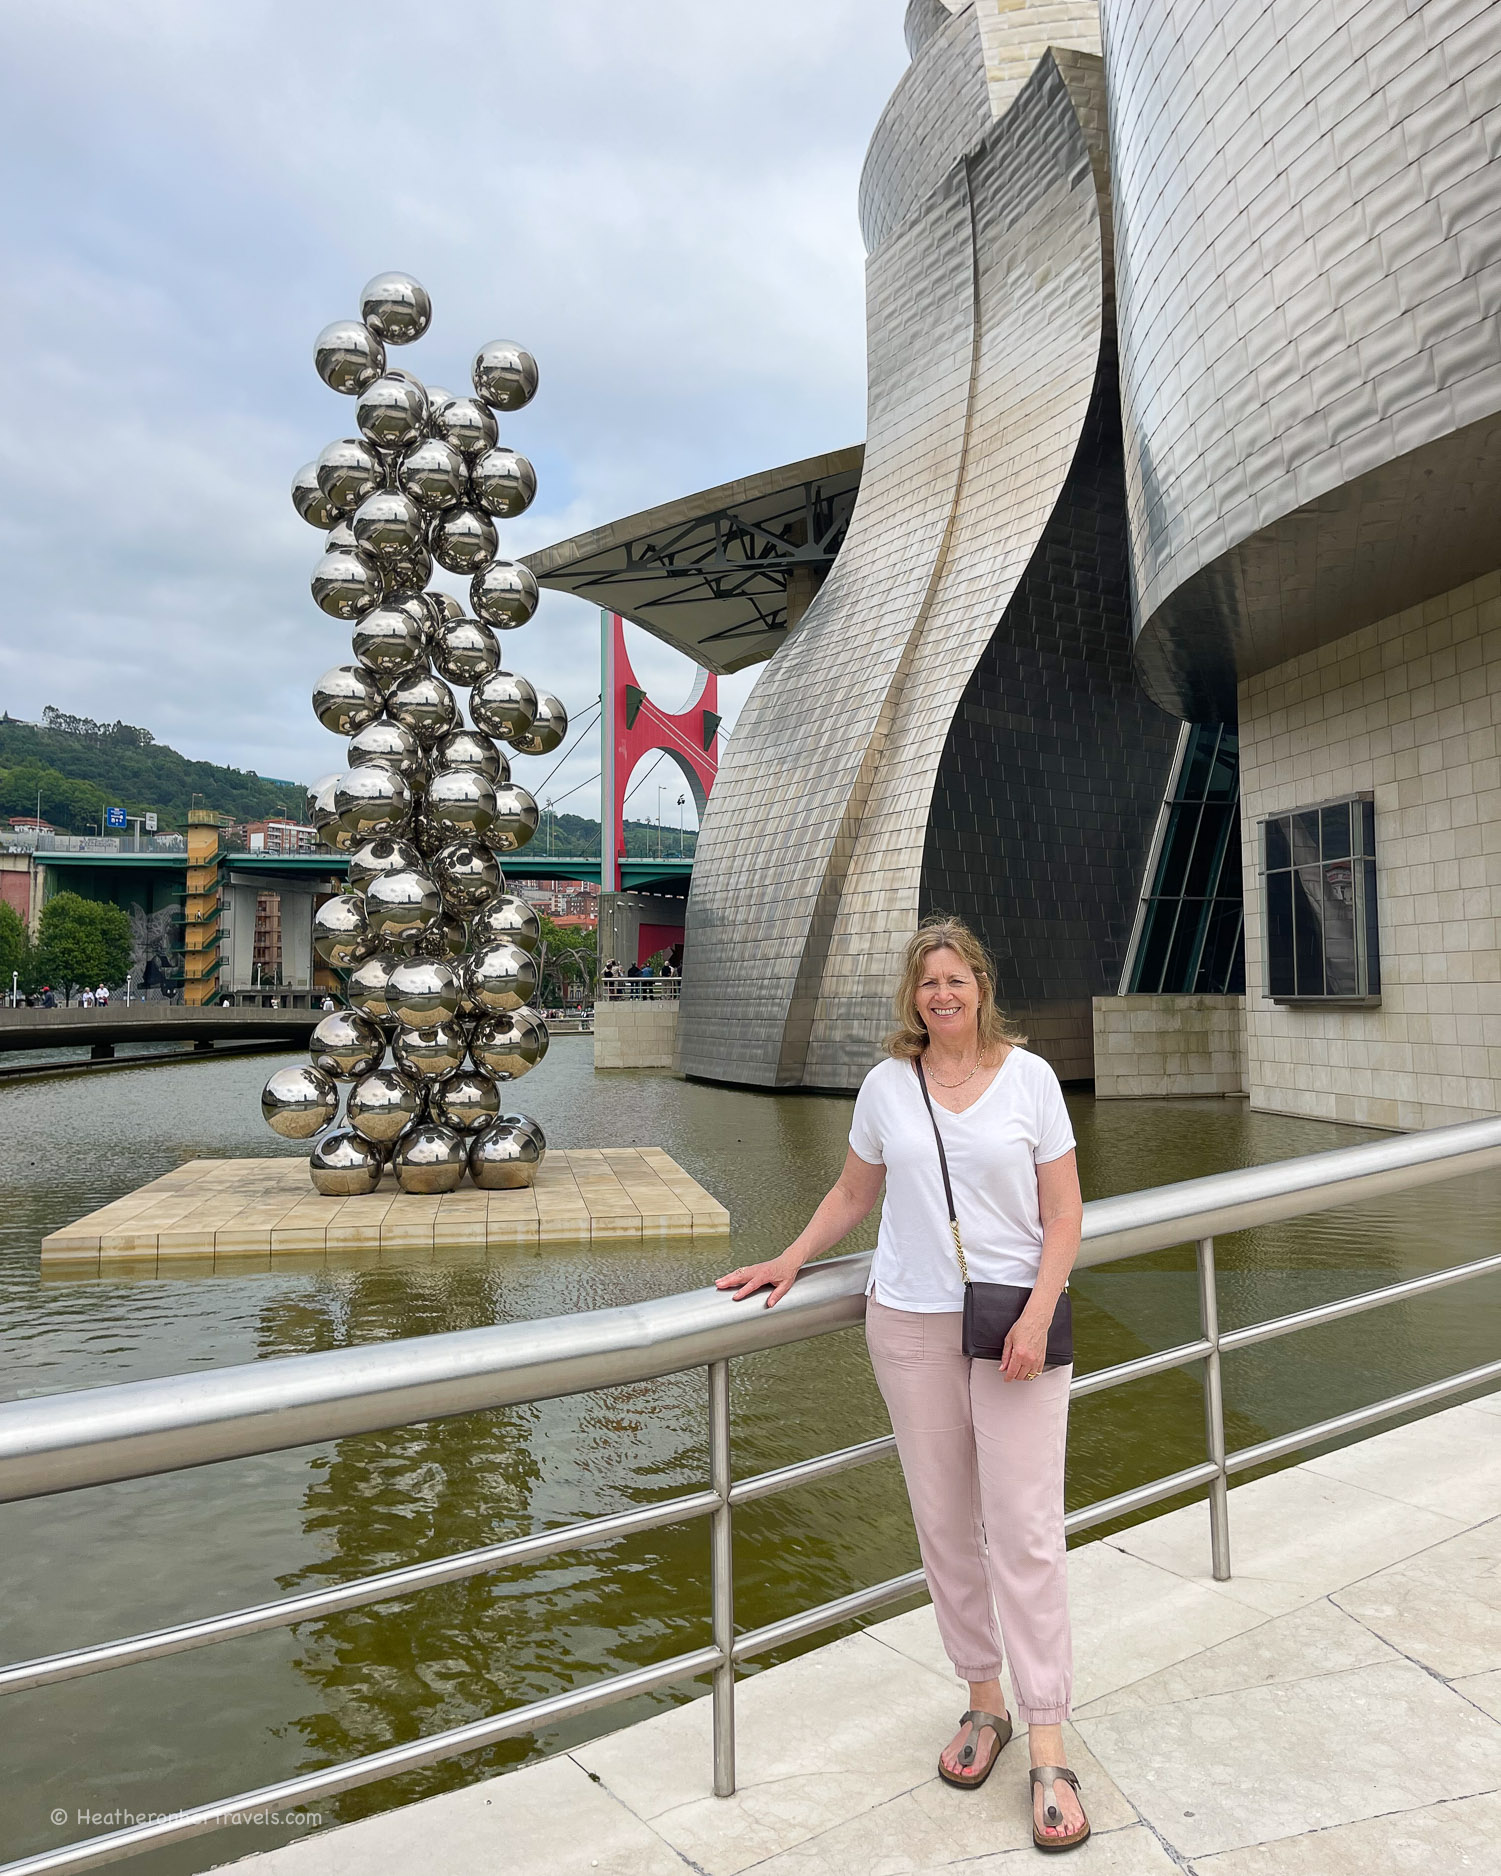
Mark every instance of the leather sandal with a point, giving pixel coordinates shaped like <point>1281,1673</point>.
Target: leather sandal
<point>975,1719</point>
<point>1044,1775</point>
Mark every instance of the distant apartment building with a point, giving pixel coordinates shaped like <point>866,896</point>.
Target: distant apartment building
<point>567,902</point>
<point>280,837</point>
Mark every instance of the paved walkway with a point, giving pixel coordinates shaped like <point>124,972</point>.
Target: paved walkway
<point>1335,1708</point>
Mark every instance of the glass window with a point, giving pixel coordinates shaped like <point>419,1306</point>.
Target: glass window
<point>1320,900</point>
<point>1192,935</point>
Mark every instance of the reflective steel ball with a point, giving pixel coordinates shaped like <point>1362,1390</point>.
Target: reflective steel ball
<point>508,1045</point>
<point>460,803</point>
<point>466,1100</point>
<point>505,594</point>
<point>346,472</point>
<point>341,539</point>
<point>435,475</point>
<point>430,1053</point>
<point>423,704</point>
<point>467,873</point>
<point>346,698</point>
<point>500,977</point>
<point>503,705</point>
<point>347,1043</point>
<point>549,727</point>
<point>344,1164</point>
<point>421,992</point>
<point>392,412</point>
<point>371,858</point>
<point>365,985</point>
<point>389,642</point>
<point>320,802</point>
<point>309,500</point>
<point>469,749</point>
<point>388,526</point>
<point>503,1157</point>
<point>346,584</point>
<point>347,356</point>
<point>373,801</point>
<point>504,482</point>
<point>382,1103</point>
<point>508,920</point>
<point>465,651</point>
<point>525,1124</point>
<point>467,425</point>
<point>399,906</point>
<point>516,819</point>
<point>431,1158</point>
<point>411,573</point>
<point>396,308</point>
<point>340,930</point>
<point>463,540</point>
<point>505,375</point>
<point>299,1102</point>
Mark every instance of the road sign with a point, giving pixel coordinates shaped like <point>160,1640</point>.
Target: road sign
<point>114,817</point>
<point>150,823</point>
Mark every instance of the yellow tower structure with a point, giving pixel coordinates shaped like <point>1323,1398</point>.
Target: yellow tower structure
<point>201,906</point>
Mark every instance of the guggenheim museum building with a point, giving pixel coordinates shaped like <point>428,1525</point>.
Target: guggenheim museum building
<point>1156,627</point>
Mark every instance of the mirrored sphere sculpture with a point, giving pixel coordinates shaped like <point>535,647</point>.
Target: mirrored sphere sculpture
<point>396,308</point>
<point>340,929</point>
<point>525,1124</point>
<point>500,977</point>
<point>382,1103</point>
<point>344,1164</point>
<point>399,906</point>
<point>387,526</point>
<point>346,472</point>
<point>435,475</point>
<point>320,803</point>
<point>470,749</point>
<point>347,1043</point>
<point>412,572</point>
<point>423,704</point>
<point>421,992</point>
<point>467,425</point>
<point>465,651</point>
<point>505,375</point>
<point>516,818</point>
<point>346,584</point>
<point>505,595</point>
<point>346,698</point>
<point>463,540</point>
<point>503,705</point>
<point>549,727</point>
<point>503,482</point>
<point>461,803</point>
<point>430,1053</point>
<point>347,356</point>
<point>385,741</point>
<point>309,500</point>
<point>371,858</point>
<point>466,1100</point>
<point>392,412</point>
<point>431,1158</point>
<point>365,986</point>
<point>509,1044</point>
<point>372,801</point>
<point>508,920</point>
<point>299,1102</point>
<point>503,1158</point>
<point>468,874</point>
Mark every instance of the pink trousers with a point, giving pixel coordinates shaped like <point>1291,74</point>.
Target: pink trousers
<point>983,1461</point>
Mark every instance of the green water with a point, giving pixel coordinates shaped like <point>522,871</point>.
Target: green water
<point>88,1566</point>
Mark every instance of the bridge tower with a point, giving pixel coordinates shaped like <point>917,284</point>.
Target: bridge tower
<point>632,726</point>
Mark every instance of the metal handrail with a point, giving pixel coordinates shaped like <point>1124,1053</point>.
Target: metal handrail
<point>136,1429</point>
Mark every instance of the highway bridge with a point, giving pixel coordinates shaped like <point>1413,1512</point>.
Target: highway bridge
<point>100,1031</point>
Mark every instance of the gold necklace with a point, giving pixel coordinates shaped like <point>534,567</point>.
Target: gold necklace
<point>979,1061</point>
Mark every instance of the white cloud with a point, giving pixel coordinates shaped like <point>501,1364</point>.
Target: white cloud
<point>659,199</point>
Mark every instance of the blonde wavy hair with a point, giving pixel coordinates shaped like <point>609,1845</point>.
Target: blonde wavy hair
<point>910,1037</point>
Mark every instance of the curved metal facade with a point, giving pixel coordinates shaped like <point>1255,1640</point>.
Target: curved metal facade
<point>954,725</point>
<point>1308,206</point>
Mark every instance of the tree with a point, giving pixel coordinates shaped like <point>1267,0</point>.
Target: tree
<point>570,959</point>
<point>83,941</point>
<point>14,946</point>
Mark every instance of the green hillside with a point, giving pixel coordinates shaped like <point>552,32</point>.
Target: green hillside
<point>574,834</point>
<point>82,767</point>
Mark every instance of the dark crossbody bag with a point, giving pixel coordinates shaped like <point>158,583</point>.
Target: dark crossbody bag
<point>990,1309</point>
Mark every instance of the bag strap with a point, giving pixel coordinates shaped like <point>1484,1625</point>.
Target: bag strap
<point>943,1167</point>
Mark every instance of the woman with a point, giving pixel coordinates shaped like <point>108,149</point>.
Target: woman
<point>981,1442</point>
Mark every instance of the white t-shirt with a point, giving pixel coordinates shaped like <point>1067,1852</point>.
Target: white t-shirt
<point>994,1149</point>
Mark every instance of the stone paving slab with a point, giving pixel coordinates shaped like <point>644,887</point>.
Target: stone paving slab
<point>1310,1729</point>
<point>254,1207</point>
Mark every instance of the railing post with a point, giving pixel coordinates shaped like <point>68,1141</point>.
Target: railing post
<point>1214,1414</point>
<point>722,1578</point>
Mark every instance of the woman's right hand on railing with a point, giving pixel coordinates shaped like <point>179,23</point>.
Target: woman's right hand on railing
<point>779,1273</point>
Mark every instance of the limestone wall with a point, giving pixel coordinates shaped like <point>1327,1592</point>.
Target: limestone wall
<point>634,1034</point>
<point>1409,708</point>
<point>1153,1047</point>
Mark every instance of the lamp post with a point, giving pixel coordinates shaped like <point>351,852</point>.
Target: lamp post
<point>681,800</point>
<point>660,792</point>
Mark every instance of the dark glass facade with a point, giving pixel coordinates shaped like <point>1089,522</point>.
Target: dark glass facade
<point>1319,868</point>
<point>1192,937</point>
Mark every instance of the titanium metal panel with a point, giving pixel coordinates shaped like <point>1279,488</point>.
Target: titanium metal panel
<point>1308,202</point>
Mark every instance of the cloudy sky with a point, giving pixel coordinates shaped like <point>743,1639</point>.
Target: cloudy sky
<point>656,196</point>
